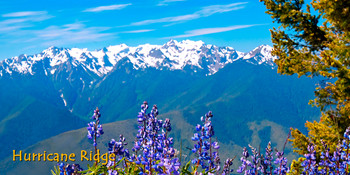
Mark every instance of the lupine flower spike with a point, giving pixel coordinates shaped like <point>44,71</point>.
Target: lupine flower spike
<point>207,151</point>
<point>153,149</point>
<point>95,129</point>
<point>67,169</point>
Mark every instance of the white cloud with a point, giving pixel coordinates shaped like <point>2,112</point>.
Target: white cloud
<point>166,2</point>
<point>71,33</point>
<point>19,20</point>
<point>19,27</point>
<point>24,14</point>
<point>210,10</point>
<point>167,19</point>
<point>204,12</point>
<point>139,31</point>
<point>109,7</point>
<point>6,29</point>
<point>207,31</point>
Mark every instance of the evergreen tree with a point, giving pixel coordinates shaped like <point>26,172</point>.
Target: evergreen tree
<point>314,40</point>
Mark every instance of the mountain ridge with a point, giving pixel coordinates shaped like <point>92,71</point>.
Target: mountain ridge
<point>173,55</point>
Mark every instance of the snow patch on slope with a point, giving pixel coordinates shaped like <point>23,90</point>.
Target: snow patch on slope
<point>64,100</point>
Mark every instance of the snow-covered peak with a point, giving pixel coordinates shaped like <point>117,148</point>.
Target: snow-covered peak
<point>117,48</point>
<point>261,55</point>
<point>76,52</point>
<point>191,44</point>
<point>173,55</point>
<point>184,45</point>
<point>171,42</point>
<point>266,49</point>
<point>50,52</point>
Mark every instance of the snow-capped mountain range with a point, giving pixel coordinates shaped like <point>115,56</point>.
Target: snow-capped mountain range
<point>173,55</point>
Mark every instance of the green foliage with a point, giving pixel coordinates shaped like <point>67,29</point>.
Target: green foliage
<point>185,169</point>
<point>95,169</point>
<point>56,171</point>
<point>314,40</point>
<point>296,167</point>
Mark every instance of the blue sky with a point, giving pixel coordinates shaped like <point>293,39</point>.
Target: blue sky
<point>30,26</point>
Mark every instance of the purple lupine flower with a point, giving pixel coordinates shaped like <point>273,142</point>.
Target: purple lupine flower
<point>255,163</point>
<point>117,148</point>
<point>198,127</point>
<point>215,145</point>
<point>339,159</point>
<point>96,115</point>
<point>266,163</point>
<point>250,167</point>
<point>309,163</point>
<point>331,163</point>
<point>67,169</point>
<point>167,125</point>
<point>207,151</point>
<point>325,162</point>
<point>281,163</point>
<point>62,168</point>
<point>347,134</point>
<point>73,169</point>
<point>95,129</point>
<point>226,169</point>
<point>144,106</point>
<point>154,111</point>
<point>152,147</point>
<point>112,172</point>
